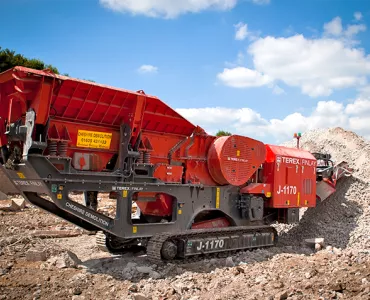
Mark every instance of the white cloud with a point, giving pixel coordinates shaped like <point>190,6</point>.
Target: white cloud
<point>354,116</point>
<point>147,69</point>
<point>361,107</point>
<point>241,77</point>
<point>261,2</point>
<point>358,16</point>
<point>241,31</point>
<point>166,8</point>
<point>354,29</point>
<point>277,90</point>
<point>334,27</point>
<point>238,62</point>
<point>318,66</point>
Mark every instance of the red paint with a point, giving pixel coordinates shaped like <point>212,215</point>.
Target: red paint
<point>154,204</point>
<point>82,162</point>
<point>214,223</point>
<point>292,174</point>
<point>168,173</point>
<point>257,188</point>
<point>234,159</point>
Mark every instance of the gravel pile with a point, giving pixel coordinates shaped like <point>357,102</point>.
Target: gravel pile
<point>344,218</point>
<point>342,145</point>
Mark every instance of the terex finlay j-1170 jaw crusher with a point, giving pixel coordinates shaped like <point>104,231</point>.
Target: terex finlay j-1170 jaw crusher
<point>196,193</point>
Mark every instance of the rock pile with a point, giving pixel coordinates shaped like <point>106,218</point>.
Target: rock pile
<point>343,219</point>
<point>342,145</point>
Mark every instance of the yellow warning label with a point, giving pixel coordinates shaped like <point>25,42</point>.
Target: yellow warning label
<point>217,197</point>
<point>237,152</point>
<point>93,139</point>
<point>59,196</point>
<point>21,175</point>
<point>179,211</point>
<point>124,194</point>
<point>134,229</point>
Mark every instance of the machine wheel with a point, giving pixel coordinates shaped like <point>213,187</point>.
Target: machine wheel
<point>169,250</point>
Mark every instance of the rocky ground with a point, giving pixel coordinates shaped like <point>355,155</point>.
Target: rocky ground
<point>43,257</point>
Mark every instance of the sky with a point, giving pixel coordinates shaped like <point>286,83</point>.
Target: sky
<point>261,68</point>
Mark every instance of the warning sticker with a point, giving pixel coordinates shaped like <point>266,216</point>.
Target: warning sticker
<point>93,139</point>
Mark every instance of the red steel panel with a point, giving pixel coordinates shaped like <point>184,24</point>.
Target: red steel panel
<point>85,101</point>
<point>213,223</point>
<point>233,159</point>
<point>292,174</point>
<point>155,204</point>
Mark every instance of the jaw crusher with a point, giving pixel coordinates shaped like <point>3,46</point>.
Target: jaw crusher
<point>195,193</point>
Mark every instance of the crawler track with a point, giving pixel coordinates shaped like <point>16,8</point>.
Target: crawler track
<point>237,242</point>
<point>240,238</point>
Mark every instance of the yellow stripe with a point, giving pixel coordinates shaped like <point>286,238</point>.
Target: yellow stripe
<point>217,197</point>
<point>298,199</point>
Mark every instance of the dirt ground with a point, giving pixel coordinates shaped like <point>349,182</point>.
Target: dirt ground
<point>34,264</point>
<point>284,272</point>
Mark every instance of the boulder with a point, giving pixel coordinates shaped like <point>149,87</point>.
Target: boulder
<point>20,202</point>
<point>8,205</point>
<point>312,242</point>
<point>36,255</point>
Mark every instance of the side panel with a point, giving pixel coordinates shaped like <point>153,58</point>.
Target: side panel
<point>293,178</point>
<point>309,186</point>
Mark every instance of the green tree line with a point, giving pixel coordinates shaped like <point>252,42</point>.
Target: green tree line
<point>222,133</point>
<point>9,59</point>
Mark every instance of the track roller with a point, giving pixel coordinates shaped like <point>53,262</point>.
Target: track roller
<point>169,250</point>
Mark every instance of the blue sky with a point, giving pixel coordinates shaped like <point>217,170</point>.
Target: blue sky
<point>263,68</point>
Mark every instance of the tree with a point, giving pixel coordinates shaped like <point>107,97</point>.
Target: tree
<point>9,59</point>
<point>222,133</point>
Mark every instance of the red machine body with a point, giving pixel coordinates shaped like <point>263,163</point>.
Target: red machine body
<point>292,174</point>
<point>83,122</point>
<point>60,135</point>
<point>287,178</point>
<point>234,159</point>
